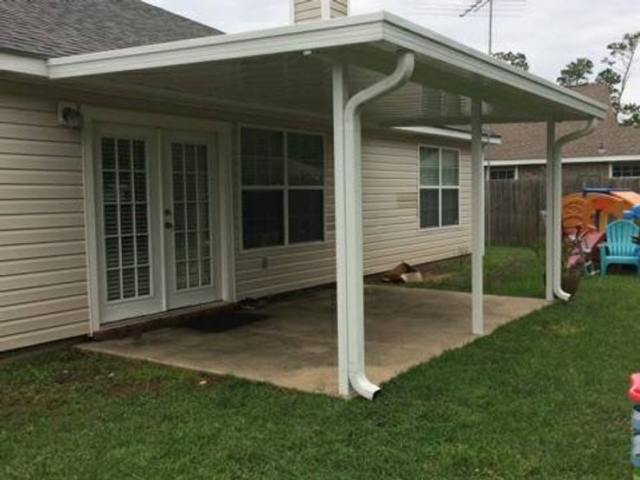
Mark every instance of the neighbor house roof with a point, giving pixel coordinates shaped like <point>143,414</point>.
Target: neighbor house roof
<point>57,28</point>
<point>527,141</point>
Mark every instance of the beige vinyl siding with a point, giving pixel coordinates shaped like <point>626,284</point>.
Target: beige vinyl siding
<point>43,289</point>
<point>391,205</point>
<point>339,8</point>
<point>307,10</point>
<point>391,223</point>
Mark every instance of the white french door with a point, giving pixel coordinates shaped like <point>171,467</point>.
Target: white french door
<point>156,229</point>
<point>129,259</point>
<point>189,222</point>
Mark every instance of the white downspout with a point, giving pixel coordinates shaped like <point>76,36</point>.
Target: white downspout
<point>352,185</point>
<point>550,216</point>
<point>557,204</point>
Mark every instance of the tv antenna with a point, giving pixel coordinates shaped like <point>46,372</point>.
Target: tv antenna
<point>478,5</point>
<point>465,8</point>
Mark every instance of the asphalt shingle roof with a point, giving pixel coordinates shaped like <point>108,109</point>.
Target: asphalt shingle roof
<point>522,141</point>
<point>57,28</point>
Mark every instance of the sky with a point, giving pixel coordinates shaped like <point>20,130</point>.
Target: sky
<point>550,32</point>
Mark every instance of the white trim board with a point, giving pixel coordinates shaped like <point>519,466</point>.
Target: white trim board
<point>325,8</point>
<point>22,64</point>
<point>445,133</point>
<point>573,160</point>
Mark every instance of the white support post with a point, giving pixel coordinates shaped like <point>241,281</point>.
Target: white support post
<point>339,102</point>
<point>477,229</point>
<point>325,9</point>
<point>550,216</point>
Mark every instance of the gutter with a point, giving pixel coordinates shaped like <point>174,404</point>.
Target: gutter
<point>557,202</point>
<point>353,206</point>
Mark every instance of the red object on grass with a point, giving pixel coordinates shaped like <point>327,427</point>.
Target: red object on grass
<point>634,391</point>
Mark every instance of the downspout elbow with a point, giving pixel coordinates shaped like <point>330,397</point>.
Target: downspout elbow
<point>557,158</point>
<point>362,385</point>
<point>573,136</point>
<point>401,75</point>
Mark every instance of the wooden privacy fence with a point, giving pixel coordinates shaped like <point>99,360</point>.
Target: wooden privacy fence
<point>513,207</point>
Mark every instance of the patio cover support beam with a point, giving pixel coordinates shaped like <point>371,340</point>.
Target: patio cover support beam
<point>557,204</point>
<point>477,229</point>
<point>349,229</point>
<point>340,94</point>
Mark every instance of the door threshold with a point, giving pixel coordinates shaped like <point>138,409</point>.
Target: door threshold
<point>139,325</point>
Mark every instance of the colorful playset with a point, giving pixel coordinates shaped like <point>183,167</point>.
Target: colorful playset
<point>634,397</point>
<point>600,225</point>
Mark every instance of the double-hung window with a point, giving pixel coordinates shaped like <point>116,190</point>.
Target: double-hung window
<point>439,187</point>
<point>282,188</point>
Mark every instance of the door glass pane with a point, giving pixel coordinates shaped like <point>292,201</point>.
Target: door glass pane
<point>181,275</point>
<point>191,199</point>
<point>125,218</point>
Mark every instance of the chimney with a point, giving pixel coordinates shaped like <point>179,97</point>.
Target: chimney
<point>314,10</point>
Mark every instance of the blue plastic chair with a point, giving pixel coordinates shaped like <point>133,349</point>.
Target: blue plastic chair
<point>619,248</point>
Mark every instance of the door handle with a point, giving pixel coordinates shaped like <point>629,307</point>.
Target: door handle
<point>168,225</point>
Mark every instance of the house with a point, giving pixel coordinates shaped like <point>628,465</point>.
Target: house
<point>149,163</point>
<point>611,152</point>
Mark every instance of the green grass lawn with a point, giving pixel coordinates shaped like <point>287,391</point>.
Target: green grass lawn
<point>543,397</point>
<point>513,271</point>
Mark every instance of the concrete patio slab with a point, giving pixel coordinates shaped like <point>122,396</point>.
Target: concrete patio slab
<point>294,346</point>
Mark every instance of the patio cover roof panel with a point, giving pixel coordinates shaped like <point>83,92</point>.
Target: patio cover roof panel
<point>289,67</point>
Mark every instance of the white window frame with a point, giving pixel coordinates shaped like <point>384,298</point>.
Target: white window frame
<point>439,188</point>
<point>285,188</point>
<point>612,164</point>
<point>492,168</point>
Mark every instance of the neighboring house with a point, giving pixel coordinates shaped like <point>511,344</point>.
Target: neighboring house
<point>612,151</point>
<point>141,173</point>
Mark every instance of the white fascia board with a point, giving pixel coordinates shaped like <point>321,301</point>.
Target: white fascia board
<point>425,42</point>
<point>293,38</point>
<point>569,161</point>
<point>445,133</point>
<point>10,62</point>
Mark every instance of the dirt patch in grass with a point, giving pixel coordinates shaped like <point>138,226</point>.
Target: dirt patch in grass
<point>154,386</point>
<point>436,277</point>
